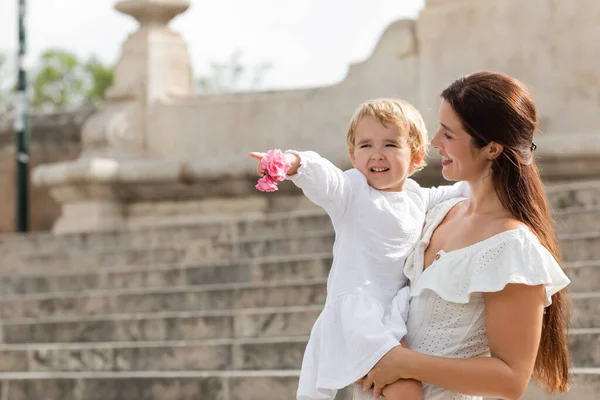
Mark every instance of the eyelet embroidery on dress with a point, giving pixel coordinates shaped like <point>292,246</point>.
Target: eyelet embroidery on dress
<point>442,331</point>
<point>476,345</point>
<point>458,396</point>
<point>481,261</point>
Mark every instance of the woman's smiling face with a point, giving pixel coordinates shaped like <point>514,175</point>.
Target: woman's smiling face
<point>461,160</point>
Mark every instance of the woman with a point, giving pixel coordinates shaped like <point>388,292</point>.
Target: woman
<point>487,306</point>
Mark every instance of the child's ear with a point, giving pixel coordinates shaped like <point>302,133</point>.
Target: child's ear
<point>417,158</point>
<point>351,153</point>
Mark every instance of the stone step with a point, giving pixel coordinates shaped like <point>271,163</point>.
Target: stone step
<point>580,246</point>
<point>576,247</point>
<point>585,347</point>
<point>65,260</point>
<point>578,220</point>
<point>284,267</point>
<point>562,196</point>
<point>154,385</point>
<point>198,250</point>
<point>209,385</point>
<point>585,310</point>
<point>46,242</point>
<point>226,296</point>
<point>292,221</point>
<point>585,385</point>
<point>585,276</point>
<point>195,324</point>
<point>221,228</point>
<point>176,298</point>
<point>167,325</point>
<point>270,353</point>
<point>574,194</point>
<point>278,353</point>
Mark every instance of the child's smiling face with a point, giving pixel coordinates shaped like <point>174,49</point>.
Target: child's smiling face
<point>382,154</point>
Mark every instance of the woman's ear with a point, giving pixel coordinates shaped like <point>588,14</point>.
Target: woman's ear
<point>493,150</point>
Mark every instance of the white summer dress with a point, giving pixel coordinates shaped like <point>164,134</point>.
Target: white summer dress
<point>364,314</point>
<point>447,314</point>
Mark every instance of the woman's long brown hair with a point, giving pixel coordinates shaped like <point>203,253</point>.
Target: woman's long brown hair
<point>497,108</point>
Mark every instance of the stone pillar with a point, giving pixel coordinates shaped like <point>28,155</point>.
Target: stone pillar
<point>116,165</point>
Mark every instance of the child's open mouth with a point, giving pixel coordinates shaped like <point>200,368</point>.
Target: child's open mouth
<point>379,170</point>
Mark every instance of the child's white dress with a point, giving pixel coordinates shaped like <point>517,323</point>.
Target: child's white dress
<point>364,314</point>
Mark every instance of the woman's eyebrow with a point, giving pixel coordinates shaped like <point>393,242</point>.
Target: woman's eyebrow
<point>446,127</point>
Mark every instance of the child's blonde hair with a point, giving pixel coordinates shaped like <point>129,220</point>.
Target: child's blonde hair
<point>398,113</point>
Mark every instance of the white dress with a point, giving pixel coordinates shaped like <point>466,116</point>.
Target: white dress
<point>447,314</point>
<point>364,314</point>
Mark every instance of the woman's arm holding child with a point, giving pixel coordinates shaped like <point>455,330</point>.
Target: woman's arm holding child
<point>514,323</point>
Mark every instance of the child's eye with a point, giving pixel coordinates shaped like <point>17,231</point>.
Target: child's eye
<point>365,146</point>
<point>390,145</point>
<point>447,136</point>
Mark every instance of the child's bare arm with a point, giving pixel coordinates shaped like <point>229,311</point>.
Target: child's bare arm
<point>404,389</point>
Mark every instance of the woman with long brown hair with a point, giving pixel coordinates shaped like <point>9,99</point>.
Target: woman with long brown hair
<point>488,309</point>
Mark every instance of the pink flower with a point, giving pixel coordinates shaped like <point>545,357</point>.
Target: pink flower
<point>276,164</point>
<point>266,184</point>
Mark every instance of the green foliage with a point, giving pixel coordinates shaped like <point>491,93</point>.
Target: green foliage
<point>62,81</point>
<point>58,82</point>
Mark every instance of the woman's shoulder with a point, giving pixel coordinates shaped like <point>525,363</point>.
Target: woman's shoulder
<point>499,226</point>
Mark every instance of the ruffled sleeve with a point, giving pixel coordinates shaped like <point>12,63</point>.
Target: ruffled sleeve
<point>514,256</point>
<point>521,260</point>
<point>325,184</point>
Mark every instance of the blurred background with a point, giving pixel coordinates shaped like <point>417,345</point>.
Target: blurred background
<point>234,45</point>
<point>137,259</point>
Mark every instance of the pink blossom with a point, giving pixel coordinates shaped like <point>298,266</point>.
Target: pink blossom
<point>276,164</point>
<point>266,184</point>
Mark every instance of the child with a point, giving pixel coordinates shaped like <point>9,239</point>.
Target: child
<point>377,214</point>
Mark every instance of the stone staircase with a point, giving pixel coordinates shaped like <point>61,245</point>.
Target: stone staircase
<point>213,311</point>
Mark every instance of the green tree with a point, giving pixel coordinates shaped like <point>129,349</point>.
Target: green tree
<point>62,81</point>
<point>232,75</point>
<point>59,82</point>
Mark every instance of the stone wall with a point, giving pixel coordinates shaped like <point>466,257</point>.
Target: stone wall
<point>157,149</point>
<point>212,135</point>
<point>551,45</point>
<point>54,137</point>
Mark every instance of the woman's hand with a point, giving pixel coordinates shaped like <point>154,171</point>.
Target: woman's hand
<point>388,370</point>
